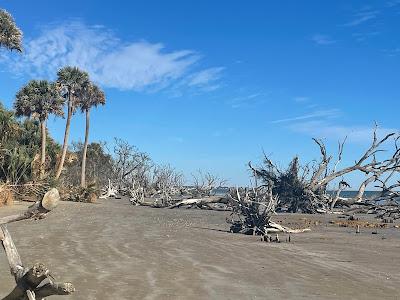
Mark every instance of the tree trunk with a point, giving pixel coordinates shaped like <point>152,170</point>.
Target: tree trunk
<point>85,146</point>
<point>43,148</point>
<point>66,135</point>
<point>36,282</point>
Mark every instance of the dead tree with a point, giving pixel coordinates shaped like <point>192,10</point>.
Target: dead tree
<point>109,191</point>
<point>205,184</point>
<point>307,191</point>
<point>253,209</point>
<point>35,282</point>
<point>162,184</point>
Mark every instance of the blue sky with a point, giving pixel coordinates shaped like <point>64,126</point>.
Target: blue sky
<point>210,84</point>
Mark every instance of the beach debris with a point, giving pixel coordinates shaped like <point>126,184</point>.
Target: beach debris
<point>166,190</point>
<point>88,194</point>
<point>110,191</point>
<point>252,210</point>
<point>304,188</point>
<point>35,282</point>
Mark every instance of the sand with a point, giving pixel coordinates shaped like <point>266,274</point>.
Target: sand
<point>113,250</point>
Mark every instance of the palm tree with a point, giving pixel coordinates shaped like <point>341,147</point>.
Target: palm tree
<point>10,34</point>
<point>39,99</point>
<point>91,96</point>
<point>71,80</point>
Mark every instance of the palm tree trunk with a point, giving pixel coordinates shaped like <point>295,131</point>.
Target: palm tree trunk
<point>85,146</point>
<point>66,135</point>
<point>43,148</point>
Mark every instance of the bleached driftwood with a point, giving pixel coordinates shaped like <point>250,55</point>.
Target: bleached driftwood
<point>273,227</point>
<point>201,202</point>
<point>305,188</point>
<point>36,282</point>
<point>253,209</point>
<point>111,191</point>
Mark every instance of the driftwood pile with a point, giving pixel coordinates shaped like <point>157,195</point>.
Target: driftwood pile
<point>308,188</point>
<point>168,191</point>
<point>299,188</point>
<point>252,210</point>
<point>35,282</point>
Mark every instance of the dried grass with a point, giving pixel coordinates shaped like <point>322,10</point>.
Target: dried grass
<point>6,196</point>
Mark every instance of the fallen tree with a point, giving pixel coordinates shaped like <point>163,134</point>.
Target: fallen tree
<point>252,210</point>
<point>35,282</point>
<point>204,203</point>
<point>305,188</point>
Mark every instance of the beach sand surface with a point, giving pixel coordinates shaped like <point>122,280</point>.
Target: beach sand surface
<point>113,250</point>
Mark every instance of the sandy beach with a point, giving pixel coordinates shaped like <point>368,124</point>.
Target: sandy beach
<point>113,250</point>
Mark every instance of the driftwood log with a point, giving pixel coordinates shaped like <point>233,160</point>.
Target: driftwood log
<point>201,202</point>
<point>35,282</point>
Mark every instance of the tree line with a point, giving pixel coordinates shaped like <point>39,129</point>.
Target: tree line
<point>37,100</point>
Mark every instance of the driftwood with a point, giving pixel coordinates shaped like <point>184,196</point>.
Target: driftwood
<point>253,209</point>
<point>35,282</point>
<point>37,210</point>
<point>202,202</point>
<point>305,188</point>
<point>110,191</point>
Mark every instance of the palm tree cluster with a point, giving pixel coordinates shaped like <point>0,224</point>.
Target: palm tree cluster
<point>39,99</point>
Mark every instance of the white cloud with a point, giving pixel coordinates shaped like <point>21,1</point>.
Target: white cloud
<point>323,129</point>
<point>363,16</point>
<point>392,52</point>
<point>204,77</point>
<point>248,100</point>
<point>330,113</point>
<point>301,99</point>
<point>393,3</point>
<point>110,61</point>
<point>176,139</point>
<point>321,39</point>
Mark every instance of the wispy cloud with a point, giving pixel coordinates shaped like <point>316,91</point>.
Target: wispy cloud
<point>301,99</point>
<point>393,3</point>
<point>207,78</point>
<point>362,16</point>
<point>254,98</point>
<point>176,139</point>
<point>109,60</point>
<point>330,113</point>
<point>323,129</point>
<point>363,36</point>
<point>392,52</point>
<point>322,39</point>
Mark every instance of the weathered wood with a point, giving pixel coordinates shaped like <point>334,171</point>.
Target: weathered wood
<point>36,282</point>
<point>13,257</point>
<point>276,228</point>
<point>52,288</point>
<point>110,192</point>
<point>201,201</point>
<point>37,210</point>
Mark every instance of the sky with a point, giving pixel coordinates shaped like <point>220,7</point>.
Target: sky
<point>210,85</point>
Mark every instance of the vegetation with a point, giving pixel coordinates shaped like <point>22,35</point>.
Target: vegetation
<point>10,34</point>
<point>39,99</point>
<point>71,81</point>
<point>91,96</point>
<point>20,144</point>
